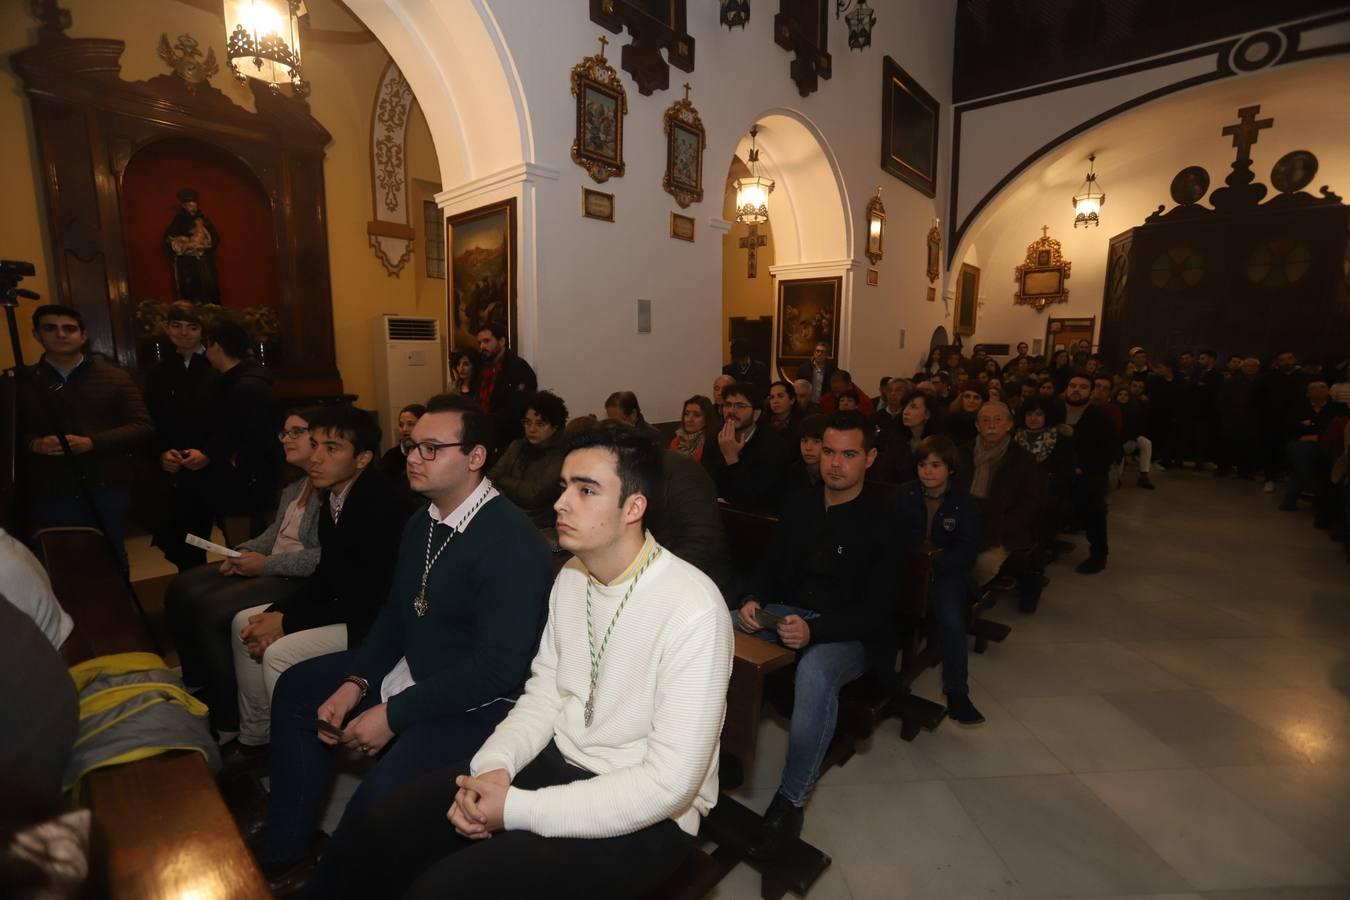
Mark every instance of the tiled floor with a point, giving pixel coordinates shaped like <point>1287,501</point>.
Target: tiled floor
<point>1175,728</point>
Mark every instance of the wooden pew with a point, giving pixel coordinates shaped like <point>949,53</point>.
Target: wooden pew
<point>167,832</point>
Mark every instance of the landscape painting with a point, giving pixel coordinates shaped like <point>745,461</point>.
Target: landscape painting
<point>482,283</point>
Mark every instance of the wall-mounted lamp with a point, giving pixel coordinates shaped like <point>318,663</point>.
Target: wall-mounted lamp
<point>735,13</point>
<point>876,228</point>
<point>860,22</point>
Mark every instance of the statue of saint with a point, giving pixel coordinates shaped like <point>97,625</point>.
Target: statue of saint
<point>192,241</point>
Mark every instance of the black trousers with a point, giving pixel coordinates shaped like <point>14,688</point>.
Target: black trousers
<point>404,846</point>
<point>198,607</point>
<point>1089,501</point>
<point>189,513</point>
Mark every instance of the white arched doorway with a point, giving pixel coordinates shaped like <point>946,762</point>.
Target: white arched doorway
<point>456,61</point>
<point>808,209</point>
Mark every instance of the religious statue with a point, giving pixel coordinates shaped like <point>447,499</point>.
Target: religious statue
<point>192,241</point>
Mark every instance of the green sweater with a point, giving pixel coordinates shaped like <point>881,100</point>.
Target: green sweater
<point>487,601</point>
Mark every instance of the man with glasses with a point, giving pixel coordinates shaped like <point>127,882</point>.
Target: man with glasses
<point>178,391</point>
<point>84,424</point>
<point>449,652</point>
<point>749,463</point>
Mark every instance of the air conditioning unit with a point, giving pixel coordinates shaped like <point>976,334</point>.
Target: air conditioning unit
<point>410,366</point>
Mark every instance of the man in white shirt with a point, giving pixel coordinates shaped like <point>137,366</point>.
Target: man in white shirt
<point>595,783</point>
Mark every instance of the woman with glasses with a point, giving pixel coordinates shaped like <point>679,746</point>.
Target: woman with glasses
<point>200,603</point>
<point>529,472</point>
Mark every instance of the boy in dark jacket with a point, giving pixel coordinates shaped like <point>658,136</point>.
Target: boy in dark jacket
<point>934,514</point>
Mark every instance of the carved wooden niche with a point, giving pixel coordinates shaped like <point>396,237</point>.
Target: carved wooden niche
<point>89,123</point>
<point>802,26</point>
<point>654,25</point>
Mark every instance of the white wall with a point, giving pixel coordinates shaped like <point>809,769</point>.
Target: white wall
<point>581,278</point>
<point>1138,153</point>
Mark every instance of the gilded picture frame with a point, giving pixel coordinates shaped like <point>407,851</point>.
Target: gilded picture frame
<point>1040,278</point>
<point>602,104</point>
<point>481,272</point>
<point>686,140</point>
<point>966,307</point>
<point>808,312</point>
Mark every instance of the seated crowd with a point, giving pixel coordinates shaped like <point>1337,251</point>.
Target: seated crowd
<point>525,621</point>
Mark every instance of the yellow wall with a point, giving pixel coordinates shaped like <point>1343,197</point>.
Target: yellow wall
<point>343,76</point>
<point>743,296</point>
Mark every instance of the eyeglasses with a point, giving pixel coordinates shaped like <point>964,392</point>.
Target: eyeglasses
<point>740,407</point>
<point>291,433</point>
<point>532,423</point>
<point>428,449</point>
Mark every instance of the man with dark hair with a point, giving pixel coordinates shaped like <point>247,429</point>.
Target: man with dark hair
<point>1096,444</point>
<point>827,584</point>
<point>596,782</point>
<point>743,368</point>
<point>817,370</point>
<point>84,424</point>
<point>1309,470</point>
<point>1167,397</point>
<point>748,462</point>
<point>841,382</point>
<point>505,383</point>
<point>1281,389</point>
<point>358,539</point>
<point>179,391</point>
<point>1202,409</point>
<point>450,648</point>
<point>241,452</point>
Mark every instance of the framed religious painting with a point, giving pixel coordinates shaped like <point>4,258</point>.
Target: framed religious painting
<point>602,103</point>
<point>967,300</point>
<point>808,312</point>
<point>481,252</point>
<point>909,130</point>
<point>1040,278</point>
<point>685,140</point>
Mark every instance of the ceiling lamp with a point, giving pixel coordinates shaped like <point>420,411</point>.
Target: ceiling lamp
<point>263,42</point>
<point>752,193</point>
<point>860,22</point>
<point>735,13</point>
<point>1087,203</point>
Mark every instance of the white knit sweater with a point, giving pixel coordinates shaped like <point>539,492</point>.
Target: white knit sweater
<point>659,705</point>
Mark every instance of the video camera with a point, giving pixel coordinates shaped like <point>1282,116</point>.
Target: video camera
<point>11,273</point>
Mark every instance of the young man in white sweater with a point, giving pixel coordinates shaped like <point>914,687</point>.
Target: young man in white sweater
<point>596,782</point>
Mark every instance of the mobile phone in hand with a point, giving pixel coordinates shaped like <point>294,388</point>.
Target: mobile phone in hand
<point>328,728</point>
<point>768,619</point>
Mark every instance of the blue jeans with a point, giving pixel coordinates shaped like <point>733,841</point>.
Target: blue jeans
<point>302,766</point>
<point>113,502</point>
<point>822,669</point>
<point>947,603</point>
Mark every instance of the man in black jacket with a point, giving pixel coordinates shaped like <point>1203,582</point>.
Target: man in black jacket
<point>1096,445</point>
<point>743,368</point>
<point>818,370</point>
<point>179,392</point>
<point>505,383</point>
<point>829,581</point>
<point>241,452</point>
<point>749,462</point>
<point>1280,390</point>
<point>84,425</point>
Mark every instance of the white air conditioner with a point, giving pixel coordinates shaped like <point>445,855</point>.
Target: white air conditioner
<point>409,366</point>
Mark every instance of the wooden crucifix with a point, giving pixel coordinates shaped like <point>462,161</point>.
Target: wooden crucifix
<point>1246,130</point>
<point>752,241</point>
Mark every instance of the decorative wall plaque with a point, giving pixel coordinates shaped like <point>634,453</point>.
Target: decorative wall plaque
<point>655,25</point>
<point>185,59</point>
<point>1040,280</point>
<point>685,140</point>
<point>390,232</point>
<point>601,105</point>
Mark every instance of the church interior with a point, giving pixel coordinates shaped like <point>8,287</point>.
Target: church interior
<point>374,203</point>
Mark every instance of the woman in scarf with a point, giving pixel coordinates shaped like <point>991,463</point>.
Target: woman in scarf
<point>697,422</point>
<point>1050,442</point>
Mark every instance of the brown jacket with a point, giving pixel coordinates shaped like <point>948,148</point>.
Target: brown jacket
<point>99,401</point>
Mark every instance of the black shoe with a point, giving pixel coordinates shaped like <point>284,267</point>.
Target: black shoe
<point>287,877</point>
<point>1144,481</point>
<point>961,711</point>
<point>782,828</point>
<point>1091,566</point>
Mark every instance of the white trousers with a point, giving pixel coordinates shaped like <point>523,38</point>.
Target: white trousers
<point>987,565</point>
<point>1144,446</point>
<point>258,678</point>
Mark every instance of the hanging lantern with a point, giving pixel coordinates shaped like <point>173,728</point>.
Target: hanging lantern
<point>860,22</point>
<point>1087,203</point>
<point>752,193</point>
<point>263,42</point>
<point>735,13</point>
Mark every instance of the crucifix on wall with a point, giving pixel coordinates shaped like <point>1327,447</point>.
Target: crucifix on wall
<point>752,241</point>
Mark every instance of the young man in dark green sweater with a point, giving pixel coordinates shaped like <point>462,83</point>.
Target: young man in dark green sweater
<point>448,653</point>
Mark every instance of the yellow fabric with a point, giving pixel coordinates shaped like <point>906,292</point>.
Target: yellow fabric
<point>106,699</point>
<point>128,757</point>
<point>114,664</point>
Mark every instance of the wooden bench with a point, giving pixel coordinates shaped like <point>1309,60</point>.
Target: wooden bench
<point>166,829</point>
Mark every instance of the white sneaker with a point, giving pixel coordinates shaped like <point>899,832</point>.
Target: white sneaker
<point>1269,487</point>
